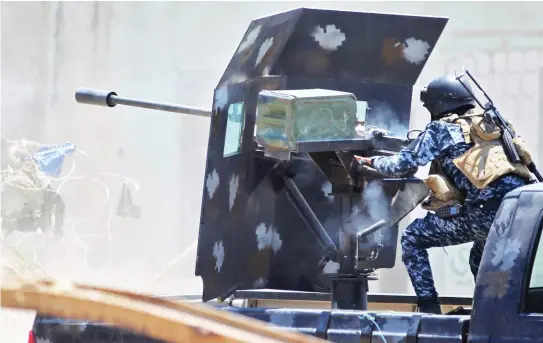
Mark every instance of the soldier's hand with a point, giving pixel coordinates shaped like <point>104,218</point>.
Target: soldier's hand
<point>363,160</point>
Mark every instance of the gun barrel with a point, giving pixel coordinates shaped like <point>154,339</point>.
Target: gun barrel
<point>111,99</point>
<point>373,228</point>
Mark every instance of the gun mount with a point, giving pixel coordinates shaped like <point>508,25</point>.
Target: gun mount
<point>283,207</point>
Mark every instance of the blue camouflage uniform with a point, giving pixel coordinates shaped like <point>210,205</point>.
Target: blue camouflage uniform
<point>442,142</point>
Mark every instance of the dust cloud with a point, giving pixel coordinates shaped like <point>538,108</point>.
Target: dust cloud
<point>129,200</point>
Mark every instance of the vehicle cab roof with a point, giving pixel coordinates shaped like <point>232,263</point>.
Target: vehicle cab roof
<point>536,187</point>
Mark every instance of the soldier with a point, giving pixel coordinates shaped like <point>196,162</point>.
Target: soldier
<point>458,141</point>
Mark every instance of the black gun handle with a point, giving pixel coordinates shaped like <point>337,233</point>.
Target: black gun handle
<point>533,169</point>
<point>509,147</point>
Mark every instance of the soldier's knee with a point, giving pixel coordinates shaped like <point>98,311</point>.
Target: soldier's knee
<point>410,240</point>
<point>410,237</point>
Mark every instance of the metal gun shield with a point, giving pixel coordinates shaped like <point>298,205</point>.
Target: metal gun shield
<point>251,235</point>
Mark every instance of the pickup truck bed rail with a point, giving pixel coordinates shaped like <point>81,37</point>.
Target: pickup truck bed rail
<point>272,298</point>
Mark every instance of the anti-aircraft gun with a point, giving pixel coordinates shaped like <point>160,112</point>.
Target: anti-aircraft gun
<point>282,205</point>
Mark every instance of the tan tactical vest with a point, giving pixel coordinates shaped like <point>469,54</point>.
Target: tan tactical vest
<point>484,163</point>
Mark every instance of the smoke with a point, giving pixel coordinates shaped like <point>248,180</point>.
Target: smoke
<point>376,202</point>
<point>374,207</point>
<point>383,116</point>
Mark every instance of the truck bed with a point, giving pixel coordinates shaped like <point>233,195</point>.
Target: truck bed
<point>305,312</point>
<point>365,327</point>
<point>309,313</point>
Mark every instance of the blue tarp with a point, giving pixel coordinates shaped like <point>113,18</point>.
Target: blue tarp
<point>50,159</point>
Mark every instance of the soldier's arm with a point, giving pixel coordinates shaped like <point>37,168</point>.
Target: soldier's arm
<point>437,137</point>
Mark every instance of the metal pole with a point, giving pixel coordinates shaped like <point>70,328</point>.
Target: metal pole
<point>350,292</point>
<point>111,99</point>
<point>308,214</point>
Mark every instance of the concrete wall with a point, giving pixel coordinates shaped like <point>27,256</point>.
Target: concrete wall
<point>176,52</point>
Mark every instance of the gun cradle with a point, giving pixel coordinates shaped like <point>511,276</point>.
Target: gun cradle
<point>363,196</point>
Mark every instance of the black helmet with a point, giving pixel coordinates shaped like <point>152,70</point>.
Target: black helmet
<point>444,95</point>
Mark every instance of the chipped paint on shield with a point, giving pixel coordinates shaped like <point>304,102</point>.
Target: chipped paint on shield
<point>276,241</point>
<point>392,51</point>
<point>221,97</point>
<point>415,50</point>
<point>262,236</point>
<point>234,185</point>
<point>212,183</point>
<point>218,253</point>
<point>267,237</point>
<point>330,38</point>
<point>250,39</point>
<point>263,50</point>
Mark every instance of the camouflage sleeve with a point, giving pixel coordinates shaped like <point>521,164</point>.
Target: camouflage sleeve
<point>437,137</point>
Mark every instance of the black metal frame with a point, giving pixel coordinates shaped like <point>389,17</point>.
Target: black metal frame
<point>385,298</point>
